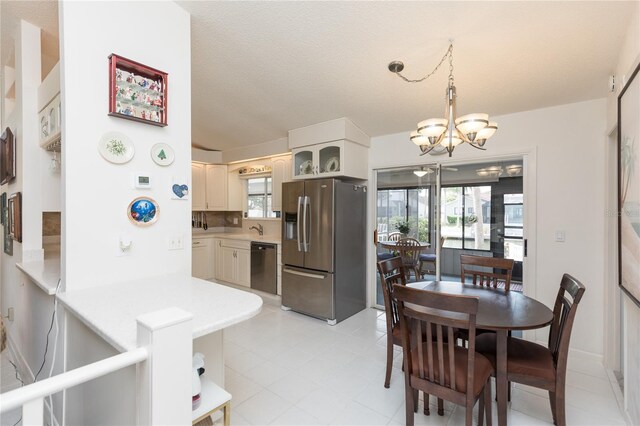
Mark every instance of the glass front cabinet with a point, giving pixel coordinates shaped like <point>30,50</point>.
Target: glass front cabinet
<point>331,159</point>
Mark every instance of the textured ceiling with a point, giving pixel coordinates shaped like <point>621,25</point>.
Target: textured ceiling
<point>44,15</point>
<point>262,68</point>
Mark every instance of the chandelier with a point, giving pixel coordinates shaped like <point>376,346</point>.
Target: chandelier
<point>440,135</point>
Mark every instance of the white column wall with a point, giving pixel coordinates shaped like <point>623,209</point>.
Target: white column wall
<point>566,143</point>
<point>96,192</point>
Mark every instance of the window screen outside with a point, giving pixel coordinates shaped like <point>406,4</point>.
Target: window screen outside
<point>466,217</point>
<point>259,197</point>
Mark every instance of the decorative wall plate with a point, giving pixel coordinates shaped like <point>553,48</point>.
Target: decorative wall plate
<point>162,154</point>
<point>306,168</point>
<point>332,165</point>
<point>116,148</point>
<point>143,211</point>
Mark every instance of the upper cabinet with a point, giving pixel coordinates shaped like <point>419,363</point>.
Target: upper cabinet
<point>280,173</point>
<point>208,187</point>
<point>336,148</point>
<point>198,187</point>
<point>331,159</point>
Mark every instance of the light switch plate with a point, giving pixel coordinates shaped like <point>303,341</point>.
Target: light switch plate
<point>176,242</point>
<point>560,237</point>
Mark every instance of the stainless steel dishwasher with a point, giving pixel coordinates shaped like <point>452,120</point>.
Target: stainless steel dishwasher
<point>263,267</point>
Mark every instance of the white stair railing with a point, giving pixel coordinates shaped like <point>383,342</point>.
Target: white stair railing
<point>163,374</point>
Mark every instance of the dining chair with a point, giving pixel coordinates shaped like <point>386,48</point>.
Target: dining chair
<point>429,258</point>
<point>391,272</point>
<point>447,371</point>
<point>409,250</point>
<point>394,236</point>
<point>538,366</point>
<point>484,278</point>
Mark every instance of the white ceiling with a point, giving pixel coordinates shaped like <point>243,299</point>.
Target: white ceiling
<point>262,68</point>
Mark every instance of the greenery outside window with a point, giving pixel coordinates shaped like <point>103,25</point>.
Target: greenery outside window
<point>404,204</point>
<point>466,217</point>
<point>259,197</point>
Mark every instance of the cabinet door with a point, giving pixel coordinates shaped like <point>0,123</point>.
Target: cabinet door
<point>216,193</point>
<point>198,190</point>
<point>217,258</point>
<point>280,173</point>
<point>236,192</point>
<point>201,259</point>
<point>304,164</point>
<point>228,264</point>
<point>243,265</point>
<point>330,160</point>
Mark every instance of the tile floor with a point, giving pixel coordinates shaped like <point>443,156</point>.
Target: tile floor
<point>284,368</point>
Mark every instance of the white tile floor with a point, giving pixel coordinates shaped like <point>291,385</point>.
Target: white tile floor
<point>284,368</point>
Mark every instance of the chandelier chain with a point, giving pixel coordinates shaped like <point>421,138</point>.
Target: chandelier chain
<point>449,54</point>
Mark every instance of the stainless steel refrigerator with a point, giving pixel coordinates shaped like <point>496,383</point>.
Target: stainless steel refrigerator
<point>324,248</point>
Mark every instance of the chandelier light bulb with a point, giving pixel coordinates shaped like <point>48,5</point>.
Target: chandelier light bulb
<point>471,124</point>
<point>486,133</point>
<point>419,139</point>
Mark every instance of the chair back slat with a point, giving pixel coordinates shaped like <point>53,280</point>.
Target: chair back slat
<point>439,314</point>
<point>564,312</point>
<point>485,278</point>
<point>452,368</point>
<point>391,272</point>
<point>394,236</point>
<point>410,257</point>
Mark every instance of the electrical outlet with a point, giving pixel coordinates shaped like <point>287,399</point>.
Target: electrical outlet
<point>560,236</point>
<point>176,242</point>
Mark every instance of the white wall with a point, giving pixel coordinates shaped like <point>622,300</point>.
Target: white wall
<point>628,60</point>
<point>97,192</point>
<point>33,308</point>
<point>564,147</point>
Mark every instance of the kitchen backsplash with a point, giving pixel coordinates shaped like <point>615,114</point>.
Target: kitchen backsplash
<point>50,224</point>
<point>223,219</point>
<point>271,227</point>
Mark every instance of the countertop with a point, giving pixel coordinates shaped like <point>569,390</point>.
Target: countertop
<point>45,273</point>
<point>244,236</point>
<point>111,310</point>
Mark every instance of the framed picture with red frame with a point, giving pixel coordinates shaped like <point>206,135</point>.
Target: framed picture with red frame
<point>137,92</point>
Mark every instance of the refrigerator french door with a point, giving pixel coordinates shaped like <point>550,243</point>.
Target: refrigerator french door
<point>323,248</point>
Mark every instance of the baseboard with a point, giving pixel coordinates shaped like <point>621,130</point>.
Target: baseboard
<point>27,376</point>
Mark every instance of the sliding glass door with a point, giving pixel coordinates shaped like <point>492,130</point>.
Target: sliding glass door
<point>452,210</point>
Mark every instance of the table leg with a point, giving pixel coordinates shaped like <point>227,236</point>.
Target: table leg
<point>501,376</point>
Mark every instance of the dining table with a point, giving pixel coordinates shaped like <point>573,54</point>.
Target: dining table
<point>500,311</point>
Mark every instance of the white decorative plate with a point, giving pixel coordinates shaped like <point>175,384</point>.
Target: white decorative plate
<point>116,147</point>
<point>162,154</point>
<point>306,168</point>
<point>332,165</point>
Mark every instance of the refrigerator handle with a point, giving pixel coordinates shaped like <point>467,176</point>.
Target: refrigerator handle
<point>298,224</point>
<point>305,224</point>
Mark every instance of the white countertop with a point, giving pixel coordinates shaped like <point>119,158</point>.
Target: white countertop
<point>244,236</point>
<point>45,273</point>
<point>111,310</point>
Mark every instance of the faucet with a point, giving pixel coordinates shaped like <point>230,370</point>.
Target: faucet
<point>259,228</point>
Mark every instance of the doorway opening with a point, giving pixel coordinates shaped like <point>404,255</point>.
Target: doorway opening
<point>473,208</point>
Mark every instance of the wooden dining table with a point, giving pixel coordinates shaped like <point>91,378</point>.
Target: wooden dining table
<point>499,311</point>
<point>393,245</point>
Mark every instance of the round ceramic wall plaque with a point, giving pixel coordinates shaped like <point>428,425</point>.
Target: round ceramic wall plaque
<point>116,148</point>
<point>162,154</point>
<point>143,211</point>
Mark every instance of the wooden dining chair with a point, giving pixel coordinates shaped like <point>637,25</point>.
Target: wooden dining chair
<point>391,272</point>
<point>459,375</point>
<point>394,236</point>
<point>429,258</point>
<point>469,266</point>
<point>538,366</point>
<point>409,250</point>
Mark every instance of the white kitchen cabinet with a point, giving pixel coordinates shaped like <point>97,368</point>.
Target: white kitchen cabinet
<point>280,173</point>
<point>235,262</point>
<point>236,192</point>
<point>217,258</point>
<point>198,187</point>
<point>243,265</point>
<point>202,258</point>
<point>216,187</point>
<point>331,159</point>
